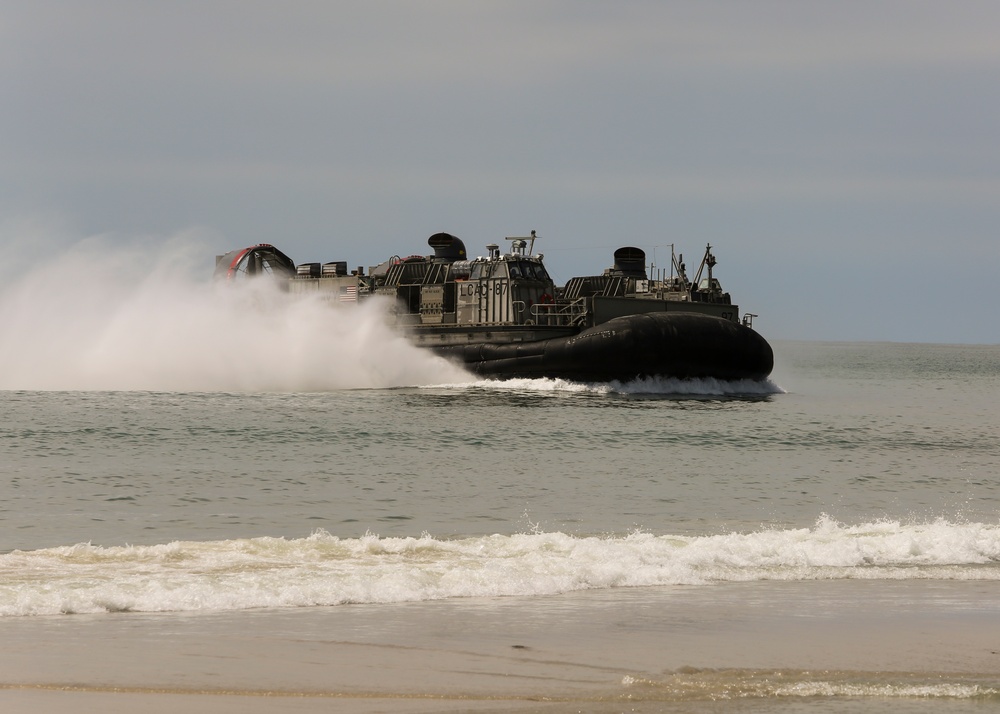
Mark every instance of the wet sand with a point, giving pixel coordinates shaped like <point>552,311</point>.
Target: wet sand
<point>575,652</point>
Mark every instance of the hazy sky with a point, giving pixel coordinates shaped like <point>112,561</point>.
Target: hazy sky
<point>843,158</point>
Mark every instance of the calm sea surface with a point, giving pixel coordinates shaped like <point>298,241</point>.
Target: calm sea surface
<point>852,433</point>
<point>855,461</point>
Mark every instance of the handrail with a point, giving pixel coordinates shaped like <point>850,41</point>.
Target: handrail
<point>551,314</point>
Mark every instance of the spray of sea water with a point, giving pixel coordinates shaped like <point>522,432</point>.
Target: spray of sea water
<point>143,316</point>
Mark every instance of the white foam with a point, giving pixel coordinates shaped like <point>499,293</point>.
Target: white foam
<point>720,685</point>
<point>325,570</point>
<point>668,386</point>
<point>944,690</point>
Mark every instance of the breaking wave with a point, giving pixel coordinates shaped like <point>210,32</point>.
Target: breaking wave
<point>323,570</point>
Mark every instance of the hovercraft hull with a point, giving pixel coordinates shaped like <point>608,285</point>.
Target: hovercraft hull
<point>654,344</point>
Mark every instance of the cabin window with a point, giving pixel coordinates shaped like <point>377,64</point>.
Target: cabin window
<point>537,271</point>
<point>494,269</point>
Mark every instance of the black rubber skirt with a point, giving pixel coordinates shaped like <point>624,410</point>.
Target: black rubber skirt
<point>655,344</point>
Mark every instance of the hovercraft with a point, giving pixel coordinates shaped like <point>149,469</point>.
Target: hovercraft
<point>502,316</point>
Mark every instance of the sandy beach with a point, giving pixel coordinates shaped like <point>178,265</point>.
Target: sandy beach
<point>575,652</point>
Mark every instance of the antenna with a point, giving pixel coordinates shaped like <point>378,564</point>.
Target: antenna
<point>531,238</point>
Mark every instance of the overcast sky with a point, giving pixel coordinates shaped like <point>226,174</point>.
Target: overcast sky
<point>843,158</point>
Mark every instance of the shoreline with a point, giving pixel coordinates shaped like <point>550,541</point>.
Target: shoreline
<point>510,654</point>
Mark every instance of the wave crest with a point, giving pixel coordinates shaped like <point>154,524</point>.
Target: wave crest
<point>323,569</point>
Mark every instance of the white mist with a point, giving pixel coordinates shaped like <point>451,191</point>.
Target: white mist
<point>146,316</point>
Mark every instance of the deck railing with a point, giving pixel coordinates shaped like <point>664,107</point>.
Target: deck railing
<point>552,314</point>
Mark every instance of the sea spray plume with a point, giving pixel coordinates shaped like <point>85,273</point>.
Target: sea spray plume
<point>102,315</point>
<point>30,241</point>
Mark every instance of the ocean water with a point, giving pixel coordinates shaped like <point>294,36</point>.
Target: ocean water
<point>328,470</point>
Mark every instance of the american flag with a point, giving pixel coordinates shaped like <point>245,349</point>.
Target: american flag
<point>349,293</point>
